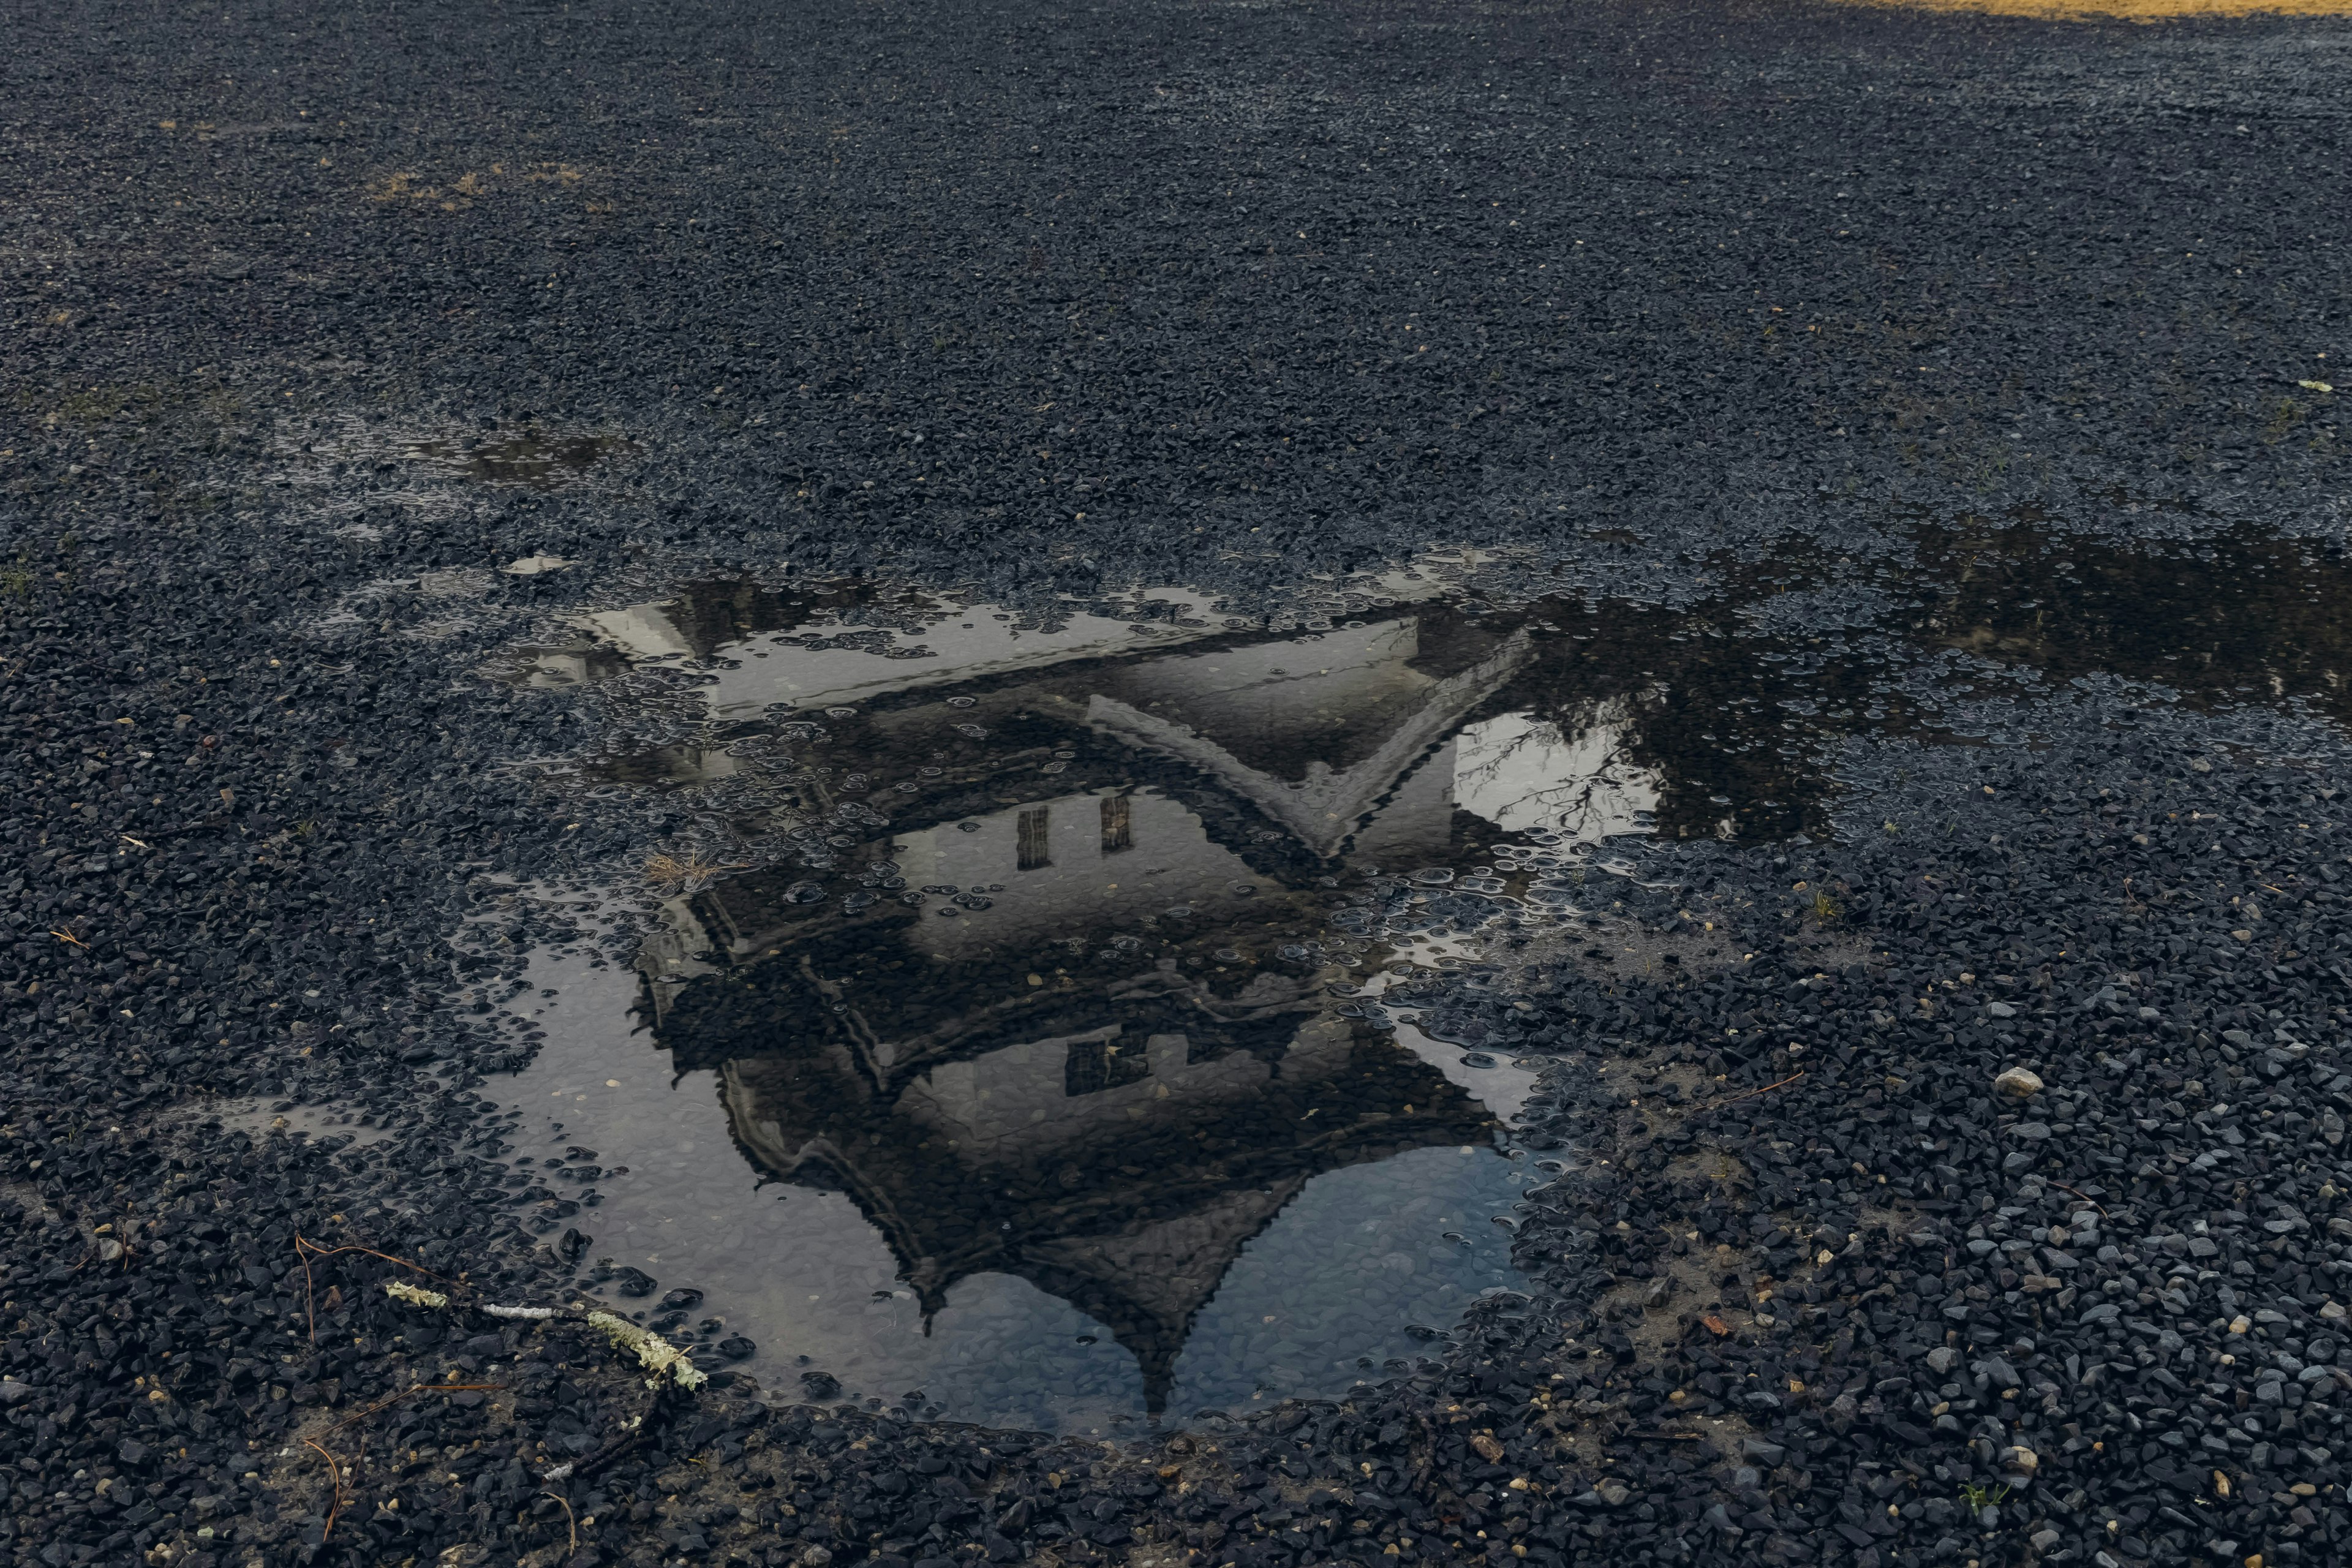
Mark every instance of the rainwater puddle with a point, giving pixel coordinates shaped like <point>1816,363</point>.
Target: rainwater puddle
<point>1024,1024</point>
<point>350,463</point>
<point>528,457</point>
<point>325,1126</point>
<point>1115,1203</point>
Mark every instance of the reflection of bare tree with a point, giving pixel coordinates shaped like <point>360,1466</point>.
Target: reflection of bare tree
<point>1682,713</point>
<point>1487,774</point>
<point>1572,775</point>
<point>1591,809</point>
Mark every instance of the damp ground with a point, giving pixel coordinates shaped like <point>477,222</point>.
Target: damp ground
<point>1067,1017</point>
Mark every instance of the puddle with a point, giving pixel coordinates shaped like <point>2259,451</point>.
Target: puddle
<point>1065,1207</point>
<point>328,1127</point>
<point>528,457</point>
<point>2244,616</point>
<point>1719,720</point>
<point>1032,1018</point>
<point>347,464</point>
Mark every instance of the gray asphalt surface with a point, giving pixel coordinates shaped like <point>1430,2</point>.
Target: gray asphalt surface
<point>1059,301</point>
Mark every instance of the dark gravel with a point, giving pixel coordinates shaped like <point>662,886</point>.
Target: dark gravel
<point>315,319</point>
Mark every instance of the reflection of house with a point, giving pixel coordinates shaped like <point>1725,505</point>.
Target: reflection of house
<point>1281,748</point>
<point>1367,733</point>
<point>1078,1057</point>
<point>1114,1138</point>
<point>1364,716</point>
<point>1058,866</point>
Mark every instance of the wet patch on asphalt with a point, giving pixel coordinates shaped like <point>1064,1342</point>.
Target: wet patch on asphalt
<point>976,909</point>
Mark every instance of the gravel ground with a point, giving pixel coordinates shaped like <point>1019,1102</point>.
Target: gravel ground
<point>317,320</point>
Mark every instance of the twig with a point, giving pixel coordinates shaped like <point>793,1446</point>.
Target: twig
<point>639,1431</point>
<point>335,1474</point>
<point>413,1388</point>
<point>570,1524</point>
<point>583,1468</point>
<point>1664,1437</point>
<point>2079,1194</point>
<point>1754,1092</point>
<point>304,1246</point>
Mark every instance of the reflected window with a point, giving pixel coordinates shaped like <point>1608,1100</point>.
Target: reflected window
<point>1118,824</point>
<point>1098,1065</point>
<point>1030,850</point>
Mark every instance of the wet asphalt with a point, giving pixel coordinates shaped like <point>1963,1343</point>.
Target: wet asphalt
<point>1057,301</point>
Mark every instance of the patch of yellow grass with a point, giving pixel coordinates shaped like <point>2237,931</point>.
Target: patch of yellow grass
<point>675,875</point>
<point>406,185</point>
<point>2124,10</point>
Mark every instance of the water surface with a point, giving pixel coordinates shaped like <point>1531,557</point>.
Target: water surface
<point>1017,1029</point>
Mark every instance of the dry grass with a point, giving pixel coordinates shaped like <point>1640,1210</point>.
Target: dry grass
<point>2124,10</point>
<point>403,186</point>
<point>674,875</point>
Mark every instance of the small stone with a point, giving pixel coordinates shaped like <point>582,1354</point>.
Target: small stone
<point>1943,1358</point>
<point>2017,1083</point>
<point>814,1557</point>
<point>2240,1325</point>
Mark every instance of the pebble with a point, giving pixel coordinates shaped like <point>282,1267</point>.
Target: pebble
<point>2017,1083</point>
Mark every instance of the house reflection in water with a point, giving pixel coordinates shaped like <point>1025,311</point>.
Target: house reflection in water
<point>1116,1142</point>
<point>1061,1008</point>
<point>1039,969</point>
